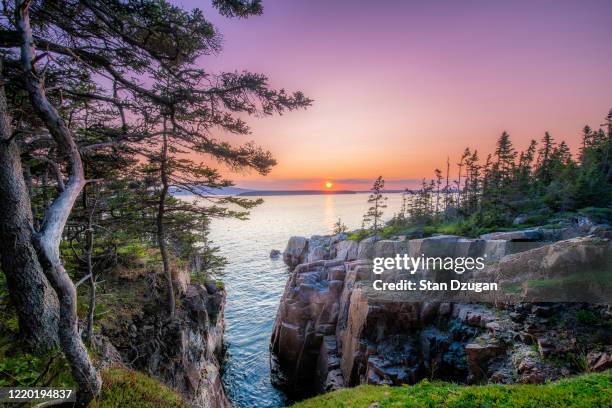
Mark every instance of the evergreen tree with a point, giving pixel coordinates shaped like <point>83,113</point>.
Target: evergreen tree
<point>339,227</point>
<point>90,53</point>
<point>377,202</point>
<point>438,175</point>
<point>506,156</point>
<point>543,170</point>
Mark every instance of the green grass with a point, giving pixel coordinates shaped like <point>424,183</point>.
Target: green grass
<point>590,390</point>
<point>601,278</point>
<point>131,389</point>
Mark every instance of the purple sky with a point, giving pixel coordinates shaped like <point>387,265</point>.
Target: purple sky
<point>399,85</point>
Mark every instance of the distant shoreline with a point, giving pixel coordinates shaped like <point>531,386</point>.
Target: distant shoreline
<point>238,192</point>
<point>294,192</point>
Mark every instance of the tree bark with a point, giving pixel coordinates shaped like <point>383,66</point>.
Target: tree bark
<point>47,240</point>
<point>29,290</point>
<point>161,230</point>
<point>89,247</point>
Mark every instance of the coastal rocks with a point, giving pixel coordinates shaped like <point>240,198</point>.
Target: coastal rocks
<point>275,254</point>
<point>185,352</point>
<point>296,251</point>
<point>390,248</point>
<point>440,245</point>
<point>538,234</point>
<point>563,271</point>
<point>366,248</point>
<point>523,235</point>
<point>600,360</point>
<point>479,358</point>
<point>347,250</point>
<point>332,332</point>
<point>319,247</point>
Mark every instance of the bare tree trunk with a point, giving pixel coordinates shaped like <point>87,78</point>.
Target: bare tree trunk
<point>29,290</point>
<point>47,240</point>
<point>161,230</point>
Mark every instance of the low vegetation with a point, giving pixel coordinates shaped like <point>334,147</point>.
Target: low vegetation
<point>590,390</point>
<point>122,387</point>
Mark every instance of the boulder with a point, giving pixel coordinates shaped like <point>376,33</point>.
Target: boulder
<point>319,247</point>
<point>494,250</point>
<point>465,247</point>
<point>296,251</point>
<point>436,246</point>
<point>533,234</point>
<point>478,358</point>
<point>388,248</point>
<point>366,248</point>
<point>600,360</point>
<point>347,250</point>
<point>520,219</point>
<point>584,223</point>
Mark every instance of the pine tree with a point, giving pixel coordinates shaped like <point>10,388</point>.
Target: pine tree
<point>543,170</point>
<point>506,155</point>
<point>339,227</point>
<point>438,174</point>
<point>377,201</point>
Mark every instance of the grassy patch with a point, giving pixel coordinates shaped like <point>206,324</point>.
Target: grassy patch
<point>601,278</point>
<point>358,236</point>
<point>131,389</point>
<point>590,390</point>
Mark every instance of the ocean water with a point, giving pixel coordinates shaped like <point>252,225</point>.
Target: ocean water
<point>255,283</point>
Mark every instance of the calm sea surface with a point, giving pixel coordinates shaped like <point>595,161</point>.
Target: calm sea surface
<point>255,283</point>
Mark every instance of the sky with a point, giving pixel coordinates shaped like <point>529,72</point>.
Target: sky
<point>398,86</point>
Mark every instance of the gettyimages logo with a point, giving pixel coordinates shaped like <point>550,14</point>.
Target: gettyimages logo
<point>413,264</point>
<point>576,270</point>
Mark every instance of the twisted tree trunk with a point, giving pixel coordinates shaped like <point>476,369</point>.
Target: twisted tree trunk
<point>29,290</point>
<point>47,240</point>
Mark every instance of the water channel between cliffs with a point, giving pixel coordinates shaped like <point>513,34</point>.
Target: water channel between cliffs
<point>255,283</point>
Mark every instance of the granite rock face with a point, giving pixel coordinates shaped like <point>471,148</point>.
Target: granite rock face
<point>296,251</point>
<point>185,353</point>
<point>330,332</point>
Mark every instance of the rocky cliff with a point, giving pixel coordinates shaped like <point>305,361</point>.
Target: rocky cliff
<point>331,332</point>
<point>185,353</point>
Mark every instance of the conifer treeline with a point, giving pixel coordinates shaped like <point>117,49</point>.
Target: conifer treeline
<point>542,180</point>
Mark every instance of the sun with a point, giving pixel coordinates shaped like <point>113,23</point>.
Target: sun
<point>328,184</point>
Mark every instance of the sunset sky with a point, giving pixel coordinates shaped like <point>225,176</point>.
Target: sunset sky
<point>399,85</point>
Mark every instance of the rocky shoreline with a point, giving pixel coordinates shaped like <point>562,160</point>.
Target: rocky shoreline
<point>186,353</point>
<point>330,332</point>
